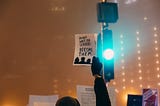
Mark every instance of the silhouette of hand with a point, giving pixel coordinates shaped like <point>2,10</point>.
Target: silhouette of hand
<point>96,66</point>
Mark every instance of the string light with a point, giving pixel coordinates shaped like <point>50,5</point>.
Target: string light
<point>138,45</point>
<point>155,41</point>
<point>140,85</point>
<point>116,90</point>
<point>148,86</point>
<point>140,78</point>
<point>156,55</point>
<point>139,58</point>
<point>124,87</point>
<point>124,80</point>
<point>145,18</point>
<point>130,1</point>
<point>122,48</point>
<point>138,39</point>
<point>123,73</point>
<point>123,67</point>
<point>122,54</point>
<point>158,76</point>
<point>140,71</point>
<point>139,65</point>
<point>155,35</point>
<point>132,81</point>
<point>138,51</point>
<point>121,42</point>
<point>137,32</point>
<point>155,28</point>
<point>114,83</point>
<point>122,59</point>
<point>157,62</point>
<point>121,36</point>
<point>156,48</point>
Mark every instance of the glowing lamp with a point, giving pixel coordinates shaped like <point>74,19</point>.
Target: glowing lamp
<point>108,54</point>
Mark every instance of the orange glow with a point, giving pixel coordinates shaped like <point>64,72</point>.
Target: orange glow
<point>8,105</point>
<point>125,97</point>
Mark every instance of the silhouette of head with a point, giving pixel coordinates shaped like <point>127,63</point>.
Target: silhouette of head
<point>82,58</point>
<point>67,101</point>
<point>88,61</point>
<point>76,61</point>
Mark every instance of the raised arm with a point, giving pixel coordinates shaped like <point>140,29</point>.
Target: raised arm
<point>102,96</point>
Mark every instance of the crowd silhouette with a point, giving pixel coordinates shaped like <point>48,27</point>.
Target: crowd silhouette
<point>82,61</point>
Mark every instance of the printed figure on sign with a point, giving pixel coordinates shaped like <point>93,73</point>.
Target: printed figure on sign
<point>82,61</point>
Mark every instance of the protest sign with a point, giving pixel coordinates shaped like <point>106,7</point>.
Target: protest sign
<point>85,48</point>
<point>150,97</point>
<point>86,95</point>
<point>41,100</point>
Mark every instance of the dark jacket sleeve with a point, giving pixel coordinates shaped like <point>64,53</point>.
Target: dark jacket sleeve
<point>102,96</point>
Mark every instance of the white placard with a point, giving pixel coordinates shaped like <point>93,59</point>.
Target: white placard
<point>36,100</point>
<point>43,104</point>
<point>86,95</point>
<point>85,48</point>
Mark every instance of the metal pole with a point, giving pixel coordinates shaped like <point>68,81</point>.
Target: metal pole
<point>104,26</point>
<point>102,49</point>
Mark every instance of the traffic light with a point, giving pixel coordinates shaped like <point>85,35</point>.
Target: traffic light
<point>106,54</point>
<point>107,12</point>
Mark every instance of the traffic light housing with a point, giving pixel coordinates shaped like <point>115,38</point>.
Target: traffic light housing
<point>107,12</point>
<point>106,54</point>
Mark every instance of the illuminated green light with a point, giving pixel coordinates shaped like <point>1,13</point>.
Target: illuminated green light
<point>108,54</point>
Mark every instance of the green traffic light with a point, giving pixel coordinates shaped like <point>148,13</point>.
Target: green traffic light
<point>108,54</point>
